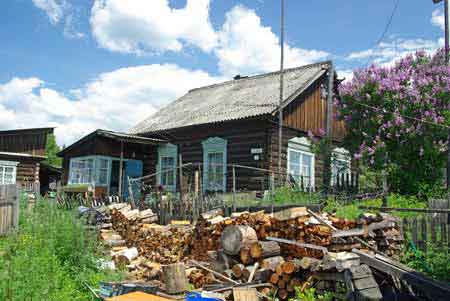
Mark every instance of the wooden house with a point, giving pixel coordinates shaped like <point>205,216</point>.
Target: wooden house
<point>236,123</point>
<point>105,159</point>
<point>21,154</point>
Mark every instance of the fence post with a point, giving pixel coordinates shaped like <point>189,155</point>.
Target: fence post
<point>234,188</point>
<point>272,190</point>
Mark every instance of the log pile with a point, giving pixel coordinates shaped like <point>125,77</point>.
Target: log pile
<point>242,249</point>
<point>285,249</point>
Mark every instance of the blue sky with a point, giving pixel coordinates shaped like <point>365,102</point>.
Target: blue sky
<point>79,65</point>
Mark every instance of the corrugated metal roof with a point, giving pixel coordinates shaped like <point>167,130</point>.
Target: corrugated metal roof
<point>237,99</point>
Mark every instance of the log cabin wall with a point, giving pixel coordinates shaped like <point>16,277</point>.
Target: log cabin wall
<point>306,113</point>
<point>27,171</point>
<point>30,141</point>
<point>241,136</point>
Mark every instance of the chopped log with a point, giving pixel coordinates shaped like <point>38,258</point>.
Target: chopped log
<point>126,256</point>
<point>309,263</point>
<point>282,293</point>
<point>271,263</point>
<point>237,270</point>
<point>175,279</point>
<point>290,213</point>
<point>264,249</point>
<point>291,266</point>
<point>234,238</point>
<point>274,278</point>
<point>244,255</point>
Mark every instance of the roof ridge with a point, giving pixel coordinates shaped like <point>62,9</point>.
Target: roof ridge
<point>328,62</point>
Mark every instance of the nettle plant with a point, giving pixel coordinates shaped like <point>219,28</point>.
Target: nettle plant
<point>396,118</point>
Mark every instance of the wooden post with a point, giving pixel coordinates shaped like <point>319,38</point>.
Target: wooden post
<point>175,278</point>
<point>130,192</point>
<point>272,191</point>
<point>234,188</point>
<point>120,171</point>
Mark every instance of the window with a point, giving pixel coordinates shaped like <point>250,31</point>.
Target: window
<point>90,170</point>
<point>215,171</point>
<point>103,171</point>
<point>340,165</point>
<point>167,163</point>
<point>8,172</point>
<point>301,162</point>
<point>168,171</point>
<point>81,171</point>
<point>215,164</point>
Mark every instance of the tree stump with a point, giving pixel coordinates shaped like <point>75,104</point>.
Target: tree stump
<point>175,279</point>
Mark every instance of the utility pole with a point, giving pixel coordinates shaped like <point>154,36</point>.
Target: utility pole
<point>280,108</point>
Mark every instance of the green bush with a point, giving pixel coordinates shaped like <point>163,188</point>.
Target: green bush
<point>434,263</point>
<point>50,257</point>
<point>310,294</point>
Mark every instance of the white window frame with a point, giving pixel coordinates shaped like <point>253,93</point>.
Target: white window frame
<point>302,146</point>
<point>343,156</point>
<point>8,164</point>
<point>214,145</point>
<point>95,171</point>
<point>167,151</point>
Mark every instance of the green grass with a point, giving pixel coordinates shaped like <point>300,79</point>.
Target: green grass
<point>351,210</point>
<point>50,257</point>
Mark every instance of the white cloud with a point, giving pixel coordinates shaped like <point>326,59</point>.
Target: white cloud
<point>437,19</point>
<point>139,27</point>
<point>60,11</point>
<point>246,46</point>
<point>115,100</point>
<point>346,74</point>
<point>53,8</point>
<point>386,53</point>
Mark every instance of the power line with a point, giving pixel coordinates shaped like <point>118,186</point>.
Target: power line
<point>386,28</point>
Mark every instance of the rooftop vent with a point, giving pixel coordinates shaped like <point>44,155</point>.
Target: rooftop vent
<point>238,77</point>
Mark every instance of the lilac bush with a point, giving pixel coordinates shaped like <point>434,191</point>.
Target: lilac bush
<point>398,115</point>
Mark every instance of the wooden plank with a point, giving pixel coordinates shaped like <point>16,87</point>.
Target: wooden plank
<point>245,294</point>
<point>414,230</point>
<point>433,230</point>
<point>424,240</point>
<point>443,228</point>
<point>434,290</point>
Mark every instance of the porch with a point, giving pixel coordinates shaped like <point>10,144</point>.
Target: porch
<point>101,162</point>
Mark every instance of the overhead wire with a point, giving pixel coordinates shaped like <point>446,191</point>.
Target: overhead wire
<point>386,28</point>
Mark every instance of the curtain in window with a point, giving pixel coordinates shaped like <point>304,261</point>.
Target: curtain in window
<point>215,171</point>
<point>301,168</point>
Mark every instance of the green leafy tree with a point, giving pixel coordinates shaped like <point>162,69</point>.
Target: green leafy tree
<point>51,149</point>
<point>397,118</point>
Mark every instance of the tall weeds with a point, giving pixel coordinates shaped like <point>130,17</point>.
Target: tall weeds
<point>51,257</point>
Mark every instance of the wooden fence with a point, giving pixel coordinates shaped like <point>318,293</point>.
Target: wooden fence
<point>427,228</point>
<point>9,208</point>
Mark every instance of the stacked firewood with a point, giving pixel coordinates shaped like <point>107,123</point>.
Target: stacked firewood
<point>160,244</point>
<point>245,248</point>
